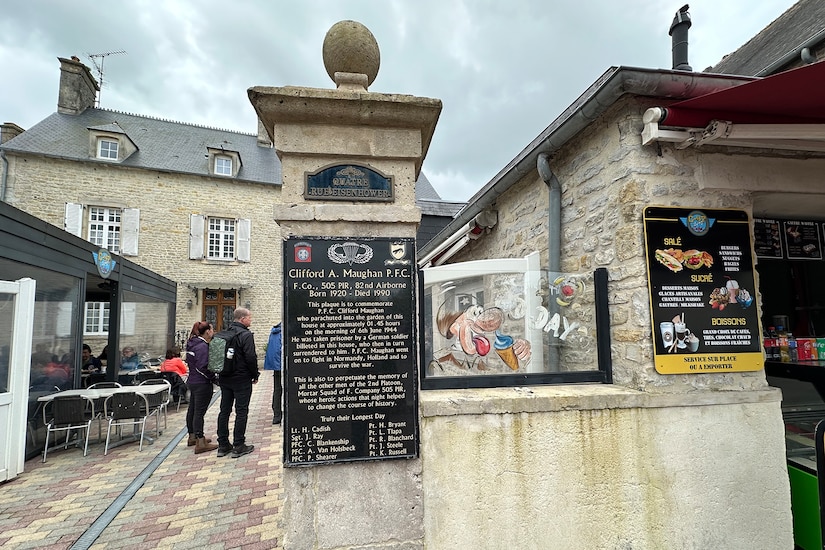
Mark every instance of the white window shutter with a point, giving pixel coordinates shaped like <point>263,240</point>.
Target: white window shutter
<point>244,231</point>
<point>73,218</point>
<point>129,230</point>
<point>196,226</point>
<point>127,318</point>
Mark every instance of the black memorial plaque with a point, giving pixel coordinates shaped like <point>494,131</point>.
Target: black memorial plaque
<point>349,355</point>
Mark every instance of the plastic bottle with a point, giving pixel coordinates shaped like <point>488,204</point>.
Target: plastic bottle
<point>784,354</point>
<point>772,347</point>
<point>793,351</point>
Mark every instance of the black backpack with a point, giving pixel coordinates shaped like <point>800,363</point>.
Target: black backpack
<point>222,352</point>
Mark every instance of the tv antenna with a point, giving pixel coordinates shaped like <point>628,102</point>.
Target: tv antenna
<point>99,68</point>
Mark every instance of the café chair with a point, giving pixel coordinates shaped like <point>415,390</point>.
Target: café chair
<point>68,413</point>
<point>126,409</point>
<point>96,378</point>
<point>159,401</point>
<point>105,385</point>
<point>144,375</point>
<point>98,403</point>
<point>178,387</point>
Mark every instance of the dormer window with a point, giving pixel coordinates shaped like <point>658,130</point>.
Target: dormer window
<point>223,165</point>
<point>110,142</point>
<point>223,162</point>
<point>107,149</point>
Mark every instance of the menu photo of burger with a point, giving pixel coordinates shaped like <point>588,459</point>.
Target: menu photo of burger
<point>675,259</point>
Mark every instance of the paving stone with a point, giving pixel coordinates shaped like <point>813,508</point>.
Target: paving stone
<point>51,505</point>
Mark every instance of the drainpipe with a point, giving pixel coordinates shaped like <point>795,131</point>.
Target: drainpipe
<point>553,240</point>
<point>679,32</point>
<point>5,175</point>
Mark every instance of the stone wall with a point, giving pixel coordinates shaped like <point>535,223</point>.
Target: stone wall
<point>42,186</point>
<point>607,180</point>
<point>595,466</point>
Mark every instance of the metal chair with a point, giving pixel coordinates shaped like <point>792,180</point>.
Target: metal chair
<point>99,402</point>
<point>178,387</point>
<point>96,378</point>
<point>126,409</point>
<point>159,401</point>
<point>68,413</point>
<point>105,385</point>
<point>144,375</point>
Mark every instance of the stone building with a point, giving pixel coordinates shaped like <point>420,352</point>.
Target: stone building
<point>190,202</point>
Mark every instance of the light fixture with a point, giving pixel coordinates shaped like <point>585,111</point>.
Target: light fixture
<point>189,304</point>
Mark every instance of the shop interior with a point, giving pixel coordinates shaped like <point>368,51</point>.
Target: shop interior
<point>793,306</point>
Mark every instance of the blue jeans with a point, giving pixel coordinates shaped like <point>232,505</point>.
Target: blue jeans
<point>239,394</point>
<point>199,397</point>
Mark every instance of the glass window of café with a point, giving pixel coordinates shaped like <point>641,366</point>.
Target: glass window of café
<point>145,328</point>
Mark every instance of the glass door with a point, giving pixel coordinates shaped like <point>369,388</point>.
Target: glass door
<point>16,325</point>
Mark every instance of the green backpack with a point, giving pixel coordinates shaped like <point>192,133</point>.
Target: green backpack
<point>222,353</point>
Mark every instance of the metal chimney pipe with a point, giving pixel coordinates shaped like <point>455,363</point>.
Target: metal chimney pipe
<point>679,32</point>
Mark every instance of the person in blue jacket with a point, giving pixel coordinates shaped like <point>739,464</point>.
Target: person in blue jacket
<point>272,361</point>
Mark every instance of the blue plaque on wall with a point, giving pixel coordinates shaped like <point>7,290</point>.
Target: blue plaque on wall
<point>349,182</point>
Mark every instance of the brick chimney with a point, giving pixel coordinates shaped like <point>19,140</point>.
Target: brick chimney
<point>78,88</point>
<point>9,130</point>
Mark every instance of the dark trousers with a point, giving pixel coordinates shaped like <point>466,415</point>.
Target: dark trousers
<point>277,391</point>
<point>199,397</point>
<point>238,394</point>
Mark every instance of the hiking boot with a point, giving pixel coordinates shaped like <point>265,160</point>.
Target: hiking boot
<point>241,450</point>
<point>202,446</point>
<point>224,450</point>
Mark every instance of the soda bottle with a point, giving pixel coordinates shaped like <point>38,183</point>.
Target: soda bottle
<point>784,353</point>
<point>793,351</point>
<point>772,352</point>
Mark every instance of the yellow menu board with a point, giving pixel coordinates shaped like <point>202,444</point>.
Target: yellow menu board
<point>702,290</point>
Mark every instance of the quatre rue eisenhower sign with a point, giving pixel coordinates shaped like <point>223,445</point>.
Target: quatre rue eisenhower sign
<point>351,182</point>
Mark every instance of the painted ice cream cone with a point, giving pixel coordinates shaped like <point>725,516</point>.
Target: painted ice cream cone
<point>504,348</point>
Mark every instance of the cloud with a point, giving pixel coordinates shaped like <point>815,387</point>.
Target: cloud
<point>503,70</point>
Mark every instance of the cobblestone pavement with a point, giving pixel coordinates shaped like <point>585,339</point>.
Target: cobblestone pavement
<point>163,496</point>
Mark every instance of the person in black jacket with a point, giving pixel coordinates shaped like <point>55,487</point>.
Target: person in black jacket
<point>236,387</point>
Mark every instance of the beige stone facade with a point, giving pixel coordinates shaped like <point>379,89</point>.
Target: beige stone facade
<point>43,186</point>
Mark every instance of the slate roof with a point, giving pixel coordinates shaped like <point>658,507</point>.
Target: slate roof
<point>801,25</point>
<point>162,145</point>
<point>177,147</point>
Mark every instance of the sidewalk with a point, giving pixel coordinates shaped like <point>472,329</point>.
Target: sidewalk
<point>162,497</point>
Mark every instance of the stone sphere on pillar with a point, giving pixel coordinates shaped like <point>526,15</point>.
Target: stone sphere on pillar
<point>350,47</point>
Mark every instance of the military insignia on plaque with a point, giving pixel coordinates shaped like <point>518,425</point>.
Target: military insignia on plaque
<point>303,252</point>
<point>398,251</point>
<point>350,253</point>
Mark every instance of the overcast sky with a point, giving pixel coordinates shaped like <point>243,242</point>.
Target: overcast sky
<point>504,69</point>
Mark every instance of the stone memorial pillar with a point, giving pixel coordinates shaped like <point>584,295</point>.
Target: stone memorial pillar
<point>350,159</point>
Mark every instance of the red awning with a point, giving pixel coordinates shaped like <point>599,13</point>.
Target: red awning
<point>793,97</point>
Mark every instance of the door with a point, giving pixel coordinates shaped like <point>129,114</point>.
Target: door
<point>16,325</point>
<point>218,307</point>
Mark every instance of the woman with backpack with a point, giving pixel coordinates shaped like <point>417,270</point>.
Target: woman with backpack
<point>200,384</point>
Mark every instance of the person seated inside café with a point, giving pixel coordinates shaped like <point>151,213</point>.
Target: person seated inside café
<point>129,359</point>
<point>173,362</point>
<point>90,363</point>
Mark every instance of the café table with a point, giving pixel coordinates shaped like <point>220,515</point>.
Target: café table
<point>96,395</point>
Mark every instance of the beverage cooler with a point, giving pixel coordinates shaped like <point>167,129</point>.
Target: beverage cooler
<point>791,272</point>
